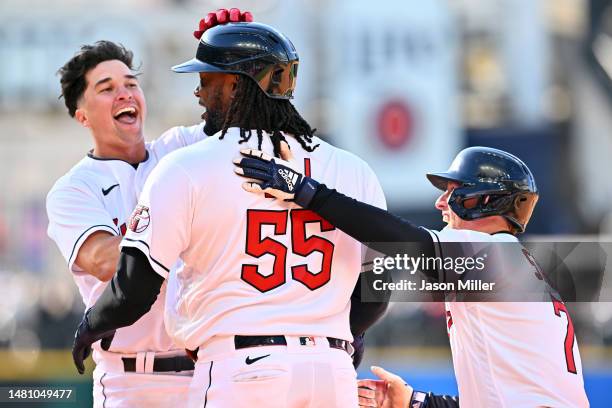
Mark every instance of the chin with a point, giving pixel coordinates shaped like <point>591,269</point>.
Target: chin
<point>132,136</point>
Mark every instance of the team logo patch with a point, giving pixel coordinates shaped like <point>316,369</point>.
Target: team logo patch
<point>140,219</point>
<point>307,341</point>
<point>289,177</point>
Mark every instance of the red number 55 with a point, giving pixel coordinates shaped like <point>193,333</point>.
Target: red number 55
<point>301,245</point>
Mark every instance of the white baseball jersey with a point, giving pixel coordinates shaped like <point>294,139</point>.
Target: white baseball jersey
<point>512,354</point>
<point>99,195</point>
<point>252,265</point>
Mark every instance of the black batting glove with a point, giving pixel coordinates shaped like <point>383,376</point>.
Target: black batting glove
<point>274,176</point>
<point>84,338</point>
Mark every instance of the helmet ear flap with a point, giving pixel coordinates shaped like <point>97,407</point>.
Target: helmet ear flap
<point>522,208</point>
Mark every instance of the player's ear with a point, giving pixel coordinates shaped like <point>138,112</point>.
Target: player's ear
<point>81,116</point>
<point>234,82</point>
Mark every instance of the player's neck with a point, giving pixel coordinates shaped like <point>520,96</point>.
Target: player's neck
<point>132,154</point>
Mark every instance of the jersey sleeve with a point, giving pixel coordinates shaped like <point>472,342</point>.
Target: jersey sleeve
<point>160,225</point>
<point>192,134</point>
<point>373,193</point>
<point>75,212</point>
<point>177,137</point>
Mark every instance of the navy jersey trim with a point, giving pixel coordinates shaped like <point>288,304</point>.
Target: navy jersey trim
<point>441,255</point>
<point>85,232</point>
<point>103,391</point>
<point>209,383</point>
<point>135,165</point>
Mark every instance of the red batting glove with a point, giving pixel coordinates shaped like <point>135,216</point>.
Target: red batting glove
<point>234,15</point>
<point>247,17</point>
<point>222,16</point>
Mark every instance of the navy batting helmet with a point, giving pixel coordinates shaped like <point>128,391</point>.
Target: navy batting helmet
<point>252,49</point>
<point>491,182</point>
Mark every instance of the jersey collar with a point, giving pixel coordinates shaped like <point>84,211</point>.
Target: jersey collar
<point>134,165</point>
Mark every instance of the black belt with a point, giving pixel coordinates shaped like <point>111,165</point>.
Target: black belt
<point>161,364</point>
<point>241,342</point>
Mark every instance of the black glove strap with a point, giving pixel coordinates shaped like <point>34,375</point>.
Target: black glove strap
<point>305,192</point>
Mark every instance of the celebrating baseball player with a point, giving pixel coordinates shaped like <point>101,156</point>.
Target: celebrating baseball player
<point>88,210</point>
<point>264,286</point>
<point>505,354</point>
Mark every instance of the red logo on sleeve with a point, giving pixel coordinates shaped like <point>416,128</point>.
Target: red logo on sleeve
<point>123,227</point>
<point>449,320</point>
<point>140,219</point>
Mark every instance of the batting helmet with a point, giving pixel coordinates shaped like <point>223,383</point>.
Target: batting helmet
<point>252,49</point>
<point>491,182</point>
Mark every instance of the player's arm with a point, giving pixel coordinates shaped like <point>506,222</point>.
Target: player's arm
<point>99,254</point>
<point>129,296</point>
<point>376,228</point>
<point>362,316</point>
<point>82,228</point>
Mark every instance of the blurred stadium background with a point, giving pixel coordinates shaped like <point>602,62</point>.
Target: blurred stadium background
<point>405,84</point>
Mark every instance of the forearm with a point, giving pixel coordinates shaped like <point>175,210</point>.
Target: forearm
<point>129,295</point>
<point>364,314</point>
<point>364,222</point>
<point>99,254</point>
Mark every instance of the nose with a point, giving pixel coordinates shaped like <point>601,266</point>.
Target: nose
<point>196,91</point>
<point>442,201</point>
<point>124,94</point>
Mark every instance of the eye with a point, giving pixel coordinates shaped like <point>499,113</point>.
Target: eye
<point>105,89</point>
<point>132,85</point>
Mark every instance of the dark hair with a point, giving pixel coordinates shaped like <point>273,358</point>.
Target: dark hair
<point>251,110</point>
<point>72,74</point>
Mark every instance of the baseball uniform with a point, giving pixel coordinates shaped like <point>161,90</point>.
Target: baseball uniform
<point>264,288</point>
<point>99,195</point>
<point>512,354</point>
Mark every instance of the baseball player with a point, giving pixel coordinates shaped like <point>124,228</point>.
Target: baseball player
<point>505,354</point>
<point>265,287</point>
<point>88,209</point>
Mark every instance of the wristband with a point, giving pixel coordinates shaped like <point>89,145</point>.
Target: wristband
<point>305,192</point>
<point>419,400</point>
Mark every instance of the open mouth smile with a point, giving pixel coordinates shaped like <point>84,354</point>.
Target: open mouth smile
<point>127,115</point>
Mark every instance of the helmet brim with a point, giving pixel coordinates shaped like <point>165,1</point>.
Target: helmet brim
<point>195,65</point>
<point>440,180</point>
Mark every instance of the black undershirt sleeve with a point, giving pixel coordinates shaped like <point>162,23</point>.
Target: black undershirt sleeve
<point>362,221</point>
<point>378,229</point>
<point>129,295</point>
<point>364,314</point>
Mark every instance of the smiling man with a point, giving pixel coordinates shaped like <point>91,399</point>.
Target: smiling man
<point>88,210</point>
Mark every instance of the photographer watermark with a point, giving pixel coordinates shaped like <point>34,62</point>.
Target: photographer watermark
<point>483,271</point>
